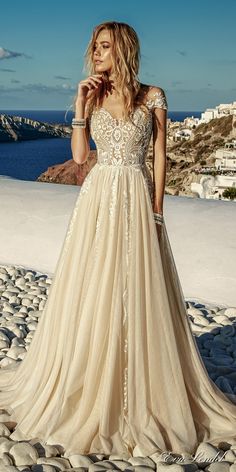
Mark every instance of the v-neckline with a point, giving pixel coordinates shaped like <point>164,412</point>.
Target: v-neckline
<point>120,120</point>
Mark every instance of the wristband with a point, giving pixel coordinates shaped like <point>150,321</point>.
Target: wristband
<point>158,218</point>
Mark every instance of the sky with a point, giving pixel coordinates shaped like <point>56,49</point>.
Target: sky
<point>187,48</point>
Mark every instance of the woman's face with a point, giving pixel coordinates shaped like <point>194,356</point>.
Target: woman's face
<point>102,52</point>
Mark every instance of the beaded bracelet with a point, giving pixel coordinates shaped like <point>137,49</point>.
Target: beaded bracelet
<point>158,218</point>
<point>78,123</point>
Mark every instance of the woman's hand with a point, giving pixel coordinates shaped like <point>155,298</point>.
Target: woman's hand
<point>87,87</point>
<point>159,230</point>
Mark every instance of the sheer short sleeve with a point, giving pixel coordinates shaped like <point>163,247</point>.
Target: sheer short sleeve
<point>157,99</point>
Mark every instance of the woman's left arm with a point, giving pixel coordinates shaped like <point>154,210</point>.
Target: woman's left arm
<point>159,152</point>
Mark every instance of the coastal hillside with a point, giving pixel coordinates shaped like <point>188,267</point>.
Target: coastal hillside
<point>17,128</point>
<point>186,157</point>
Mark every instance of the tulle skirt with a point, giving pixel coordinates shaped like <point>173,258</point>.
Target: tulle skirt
<point>113,366</point>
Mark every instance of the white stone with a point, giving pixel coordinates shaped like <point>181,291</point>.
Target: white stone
<point>59,462</point>
<point>5,459</point>
<point>9,468</point>
<point>18,342</point>
<point>230,456</point>
<point>219,466</point>
<point>230,312</point>
<point>4,431</point>
<point>5,445</point>
<point>164,467</point>
<point>24,454</point>
<point>4,344</point>
<point>79,460</point>
<point>25,301</point>
<point>145,461</point>
<point>32,325</point>
<point>4,277</point>
<point>206,452</point>
<point>45,468</point>
<point>3,336</point>
<point>7,361</point>
<point>15,351</point>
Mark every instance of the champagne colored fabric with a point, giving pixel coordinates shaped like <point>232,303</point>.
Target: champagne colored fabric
<point>113,366</point>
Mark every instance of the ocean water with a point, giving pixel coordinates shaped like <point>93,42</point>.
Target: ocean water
<point>26,160</point>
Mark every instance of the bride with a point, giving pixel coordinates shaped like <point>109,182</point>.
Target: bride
<point>113,366</point>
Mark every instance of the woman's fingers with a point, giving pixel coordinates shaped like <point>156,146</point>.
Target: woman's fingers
<point>92,82</point>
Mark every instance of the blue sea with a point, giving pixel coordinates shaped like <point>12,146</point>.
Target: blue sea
<point>26,160</point>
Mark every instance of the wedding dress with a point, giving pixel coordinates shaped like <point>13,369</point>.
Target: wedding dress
<point>113,366</point>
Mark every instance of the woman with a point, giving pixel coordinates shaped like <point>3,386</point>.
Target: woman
<point>113,366</point>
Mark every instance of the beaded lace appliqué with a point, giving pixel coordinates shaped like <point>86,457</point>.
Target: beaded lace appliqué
<point>158,100</point>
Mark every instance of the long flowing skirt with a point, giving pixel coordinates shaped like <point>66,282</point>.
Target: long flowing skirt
<point>113,366</point>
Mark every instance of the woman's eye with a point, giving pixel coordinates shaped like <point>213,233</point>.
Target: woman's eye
<point>104,46</point>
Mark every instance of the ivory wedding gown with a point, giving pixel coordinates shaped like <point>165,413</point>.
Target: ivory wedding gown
<point>113,366</point>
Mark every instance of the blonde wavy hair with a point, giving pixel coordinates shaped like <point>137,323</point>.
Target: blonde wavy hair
<point>125,62</point>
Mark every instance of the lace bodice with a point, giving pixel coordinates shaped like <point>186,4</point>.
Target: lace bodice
<point>121,142</point>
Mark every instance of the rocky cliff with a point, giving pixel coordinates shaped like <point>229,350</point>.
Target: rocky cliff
<point>17,128</point>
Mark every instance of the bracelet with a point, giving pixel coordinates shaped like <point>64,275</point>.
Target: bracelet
<point>78,120</point>
<point>158,218</point>
<point>78,123</point>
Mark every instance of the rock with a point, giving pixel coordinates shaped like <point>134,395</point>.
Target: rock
<point>230,312</point>
<point>4,277</point>
<point>95,467</point>
<point>69,172</point>
<point>60,463</point>
<point>219,466</point>
<point>10,468</point>
<point>24,454</point>
<point>233,468</point>
<point>5,445</point>
<point>77,469</point>
<point>44,468</point>
<point>7,361</point>
<point>32,325</point>
<point>4,337</point>
<point>25,301</point>
<point>207,452</point>
<point>5,460</point>
<point>144,461</point>
<point>79,460</point>
<point>163,467</point>
<point>15,351</point>
<point>4,344</point>
<point>230,456</point>
<point>4,431</point>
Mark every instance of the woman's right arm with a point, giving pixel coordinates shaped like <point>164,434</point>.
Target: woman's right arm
<point>80,136</point>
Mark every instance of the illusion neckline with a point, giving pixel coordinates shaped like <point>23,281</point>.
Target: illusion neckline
<point>120,120</point>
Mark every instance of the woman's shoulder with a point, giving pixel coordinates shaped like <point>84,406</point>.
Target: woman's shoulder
<point>154,96</point>
<point>150,90</point>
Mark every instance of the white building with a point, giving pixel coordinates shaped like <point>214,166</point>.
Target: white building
<point>191,122</point>
<point>223,109</point>
<point>212,187</point>
<point>226,158</point>
<point>231,145</point>
<point>182,134</point>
